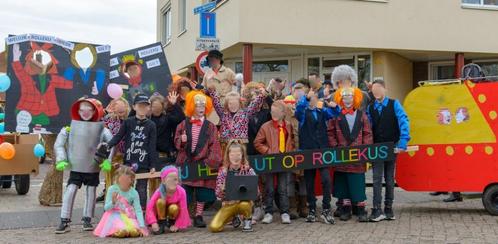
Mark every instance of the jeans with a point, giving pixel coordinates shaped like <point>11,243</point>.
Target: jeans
<point>309,176</point>
<point>282,184</point>
<point>385,169</point>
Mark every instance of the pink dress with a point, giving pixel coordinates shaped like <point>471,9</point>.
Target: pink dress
<point>121,217</point>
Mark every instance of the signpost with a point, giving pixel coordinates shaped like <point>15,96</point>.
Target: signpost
<point>203,44</point>
<point>205,8</point>
<point>208,25</point>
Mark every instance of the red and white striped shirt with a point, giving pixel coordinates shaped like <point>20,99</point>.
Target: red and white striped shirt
<point>196,131</point>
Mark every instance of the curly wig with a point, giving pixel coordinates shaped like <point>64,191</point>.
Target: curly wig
<point>190,103</point>
<point>357,96</point>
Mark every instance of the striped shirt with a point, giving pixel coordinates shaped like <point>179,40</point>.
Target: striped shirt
<point>196,131</point>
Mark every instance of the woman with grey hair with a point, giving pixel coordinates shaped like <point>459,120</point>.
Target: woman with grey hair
<point>345,76</point>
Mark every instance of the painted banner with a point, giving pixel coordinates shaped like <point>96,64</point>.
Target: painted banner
<point>141,70</point>
<point>48,74</point>
<point>299,160</point>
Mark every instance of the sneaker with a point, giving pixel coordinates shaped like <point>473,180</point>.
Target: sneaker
<point>236,222</point>
<point>101,198</point>
<point>268,218</point>
<point>258,215</point>
<point>376,215</point>
<point>199,222</point>
<point>162,227</point>
<point>346,213</point>
<point>285,218</point>
<point>87,224</point>
<point>362,214</point>
<point>388,211</point>
<point>311,218</point>
<point>327,217</point>
<point>247,226</point>
<point>63,226</point>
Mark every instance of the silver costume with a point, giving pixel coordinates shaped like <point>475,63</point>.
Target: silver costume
<point>77,146</point>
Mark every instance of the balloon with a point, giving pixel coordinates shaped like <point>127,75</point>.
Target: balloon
<point>2,128</point>
<point>4,83</point>
<point>7,151</point>
<point>39,150</point>
<point>114,90</point>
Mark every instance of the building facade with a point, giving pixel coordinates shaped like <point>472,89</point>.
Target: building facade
<point>401,41</point>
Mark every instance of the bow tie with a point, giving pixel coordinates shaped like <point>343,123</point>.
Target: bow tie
<point>197,122</point>
<point>347,111</point>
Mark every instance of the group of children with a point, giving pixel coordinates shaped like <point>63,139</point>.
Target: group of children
<point>312,117</point>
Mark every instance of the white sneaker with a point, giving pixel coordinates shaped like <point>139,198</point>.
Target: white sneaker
<point>285,218</point>
<point>258,214</point>
<point>267,219</point>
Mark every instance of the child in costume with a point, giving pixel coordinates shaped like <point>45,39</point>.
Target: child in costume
<point>167,208</point>
<point>197,141</point>
<point>234,118</point>
<point>276,136</point>
<point>123,216</point>
<point>139,135</point>
<point>235,163</point>
<point>75,148</point>
<point>389,124</point>
<point>313,131</point>
<point>350,128</point>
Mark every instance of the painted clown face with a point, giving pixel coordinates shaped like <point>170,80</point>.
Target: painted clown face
<point>347,98</point>
<point>86,111</point>
<point>200,105</point>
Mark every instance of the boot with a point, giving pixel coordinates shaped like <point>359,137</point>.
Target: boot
<point>293,208</point>
<point>199,222</point>
<point>302,209</point>
<point>63,226</point>
<point>362,214</point>
<point>161,224</point>
<point>346,213</point>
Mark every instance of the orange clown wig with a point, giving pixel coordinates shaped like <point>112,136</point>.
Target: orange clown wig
<point>355,92</point>
<point>194,98</point>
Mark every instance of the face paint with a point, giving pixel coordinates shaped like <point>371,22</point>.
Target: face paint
<point>347,100</point>
<point>86,111</point>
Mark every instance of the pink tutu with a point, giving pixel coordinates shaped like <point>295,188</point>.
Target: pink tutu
<point>121,219</point>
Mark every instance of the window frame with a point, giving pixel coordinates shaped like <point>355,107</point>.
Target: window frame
<point>481,5</point>
<point>182,17</point>
<point>166,22</point>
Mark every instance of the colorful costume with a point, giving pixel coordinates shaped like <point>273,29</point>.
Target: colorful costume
<point>123,218</point>
<point>168,210</point>
<point>202,146</point>
<point>75,147</point>
<point>230,210</point>
<point>351,128</point>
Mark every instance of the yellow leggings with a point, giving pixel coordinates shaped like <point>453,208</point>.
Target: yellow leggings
<point>171,211</point>
<point>227,212</point>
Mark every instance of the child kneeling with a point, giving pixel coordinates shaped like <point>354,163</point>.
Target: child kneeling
<point>123,215</point>
<point>234,163</point>
<point>167,208</point>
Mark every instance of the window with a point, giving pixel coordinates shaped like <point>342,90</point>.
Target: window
<point>265,66</point>
<point>325,66</point>
<point>166,38</point>
<point>442,71</point>
<point>182,16</point>
<point>490,68</point>
<point>480,3</point>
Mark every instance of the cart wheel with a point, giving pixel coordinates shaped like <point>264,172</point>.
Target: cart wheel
<point>6,181</point>
<point>490,200</point>
<point>22,184</point>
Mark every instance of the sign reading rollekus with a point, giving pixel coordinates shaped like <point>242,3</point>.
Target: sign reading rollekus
<point>299,160</point>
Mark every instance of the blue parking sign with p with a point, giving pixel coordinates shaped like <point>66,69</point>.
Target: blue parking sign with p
<point>208,25</point>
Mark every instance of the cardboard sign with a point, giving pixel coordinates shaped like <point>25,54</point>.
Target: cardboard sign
<point>48,74</point>
<point>141,70</point>
<point>299,160</point>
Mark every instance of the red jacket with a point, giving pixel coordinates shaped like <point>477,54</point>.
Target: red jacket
<point>208,149</point>
<point>31,98</point>
<point>340,136</point>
